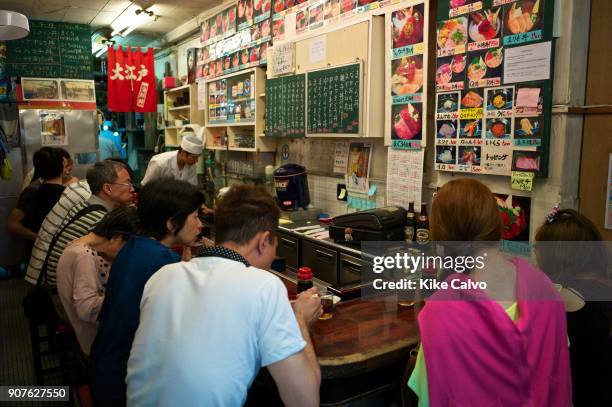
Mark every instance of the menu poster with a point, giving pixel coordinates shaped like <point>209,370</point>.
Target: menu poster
<point>53,129</point>
<point>450,73</point>
<point>529,99</point>
<point>523,22</point>
<point>278,28</point>
<point>316,15</point>
<point>261,10</point>
<point>526,160</point>
<point>516,216</point>
<point>332,9</point>
<point>485,68</point>
<point>245,14</point>
<point>341,156</point>
<point>301,20</point>
<point>485,29</point>
<point>452,36</point>
<point>358,167</point>
<point>404,177</point>
<point>459,7</point>
<point>408,75</point>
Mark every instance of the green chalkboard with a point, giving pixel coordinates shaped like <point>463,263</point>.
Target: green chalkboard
<point>52,50</point>
<point>334,100</point>
<point>285,106</point>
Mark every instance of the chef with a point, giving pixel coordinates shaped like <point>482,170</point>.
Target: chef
<point>179,164</point>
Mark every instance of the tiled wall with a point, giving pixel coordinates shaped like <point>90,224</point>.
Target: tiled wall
<point>323,194</point>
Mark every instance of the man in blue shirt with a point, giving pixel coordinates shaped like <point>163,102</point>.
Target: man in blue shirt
<point>168,213</point>
<point>208,325</point>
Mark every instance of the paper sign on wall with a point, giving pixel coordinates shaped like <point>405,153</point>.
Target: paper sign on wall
<point>318,49</point>
<point>527,63</point>
<point>404,177</point>
<point>283,58</point>
<point>340,157</point>
<point>522,181</point>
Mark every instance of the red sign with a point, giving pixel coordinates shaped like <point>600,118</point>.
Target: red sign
<point>131,81</point>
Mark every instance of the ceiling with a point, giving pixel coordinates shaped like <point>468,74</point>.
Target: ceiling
<point>101,13</point>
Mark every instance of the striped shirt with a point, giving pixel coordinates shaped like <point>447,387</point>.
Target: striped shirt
<point>73,195</point>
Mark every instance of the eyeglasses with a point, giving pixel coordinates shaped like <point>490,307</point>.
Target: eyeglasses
<point>127,184</point>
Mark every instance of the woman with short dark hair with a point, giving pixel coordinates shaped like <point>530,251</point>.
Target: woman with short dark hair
<point>571,251</point>
<point>82,271</point>
<point>168,214</point>
<point>503,344</point>
<point>37,199</point>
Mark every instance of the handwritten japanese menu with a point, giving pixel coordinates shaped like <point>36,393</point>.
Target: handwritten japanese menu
<point>285,101</point>
<point>404,177</point>
<point>334,100</point>
<point>486,123</point>
<point>52,50</point>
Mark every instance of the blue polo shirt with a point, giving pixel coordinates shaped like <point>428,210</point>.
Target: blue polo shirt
<point>138,260</point>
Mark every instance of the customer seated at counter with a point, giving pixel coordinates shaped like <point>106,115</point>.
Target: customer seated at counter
<point>582,271</point>
<point>168,214</point>
<point>208,325</point>
<point>505,345</point>
<point>82,271</point>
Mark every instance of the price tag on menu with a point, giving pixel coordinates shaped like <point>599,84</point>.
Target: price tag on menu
<point>522,181</point>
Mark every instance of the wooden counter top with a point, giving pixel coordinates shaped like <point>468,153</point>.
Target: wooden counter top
<point>363,335</point>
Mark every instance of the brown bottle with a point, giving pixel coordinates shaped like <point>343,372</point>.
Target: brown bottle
<point>422,226</point>
<point>409,230</point>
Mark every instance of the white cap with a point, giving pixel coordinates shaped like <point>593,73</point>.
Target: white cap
<point>191,144</point>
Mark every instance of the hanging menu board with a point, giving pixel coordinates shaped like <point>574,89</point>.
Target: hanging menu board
<point>493,86</point>
<point>334,101</point>
<point>285,101</point>
<point>52,50</point>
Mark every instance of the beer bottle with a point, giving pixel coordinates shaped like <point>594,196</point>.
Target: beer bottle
<point>409,230</point>
<point>422,225</point>
<point>304,279</point>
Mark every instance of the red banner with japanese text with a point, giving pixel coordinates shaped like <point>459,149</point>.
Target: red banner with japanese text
<point>131,81</point>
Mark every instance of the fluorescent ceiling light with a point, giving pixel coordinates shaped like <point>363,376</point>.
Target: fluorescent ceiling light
<point>129,21</point>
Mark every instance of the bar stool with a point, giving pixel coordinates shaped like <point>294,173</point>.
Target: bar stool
<point>57,337</point>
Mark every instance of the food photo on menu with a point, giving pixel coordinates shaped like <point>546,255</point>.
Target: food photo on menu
<point>408,26</point>
<point>348,5</point>
<point>452,34</point>
<point>472,99</point>
<point>407,75</point>
<point>527,128</point>
<point>265,28</point>
<point>279,28</point>
<point>486,64</point>
<point>500,99</point>
<point>468,155</point>
<point>446,129</point>
<point>407,122</point>
<point>523,160</point>
<point>459,3</point>
<point>447,102</point>
<point>499,129</point>
<point>332,9</point>
<point>301,20</point>
<point>316,14</point>
<point>446,154</point>
<point>450,70</point>
<point>485,25</point>
<point>470,128</point>
<point>523,16</point>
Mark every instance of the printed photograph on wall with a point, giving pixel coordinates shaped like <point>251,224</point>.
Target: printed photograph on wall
<point>53,129</point>
<point>523,16</point>
<point>516,215</point>
<point>408,26</point>
<point>41,89</point>
<point>407,75</point>
<point>78,90</point>
<point>358,167</point>
<point>446,154</point>
<point>485,26</point>
<point>407,122</point>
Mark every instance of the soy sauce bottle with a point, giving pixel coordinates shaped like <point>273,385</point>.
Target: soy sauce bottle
<point>304,279</point>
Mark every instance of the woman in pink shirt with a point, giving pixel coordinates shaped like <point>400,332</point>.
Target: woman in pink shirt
<point>503,343</point>
<point>82,271</point>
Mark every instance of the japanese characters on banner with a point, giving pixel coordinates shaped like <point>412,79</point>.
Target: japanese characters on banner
<point>131,80</point>
<point>408,75</point>
<point>485,122</point>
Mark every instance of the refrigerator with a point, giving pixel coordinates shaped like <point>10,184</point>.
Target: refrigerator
<point>74,130</point>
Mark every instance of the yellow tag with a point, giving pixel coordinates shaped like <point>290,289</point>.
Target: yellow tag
<point>522,181</point>
<point>471,114</point>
